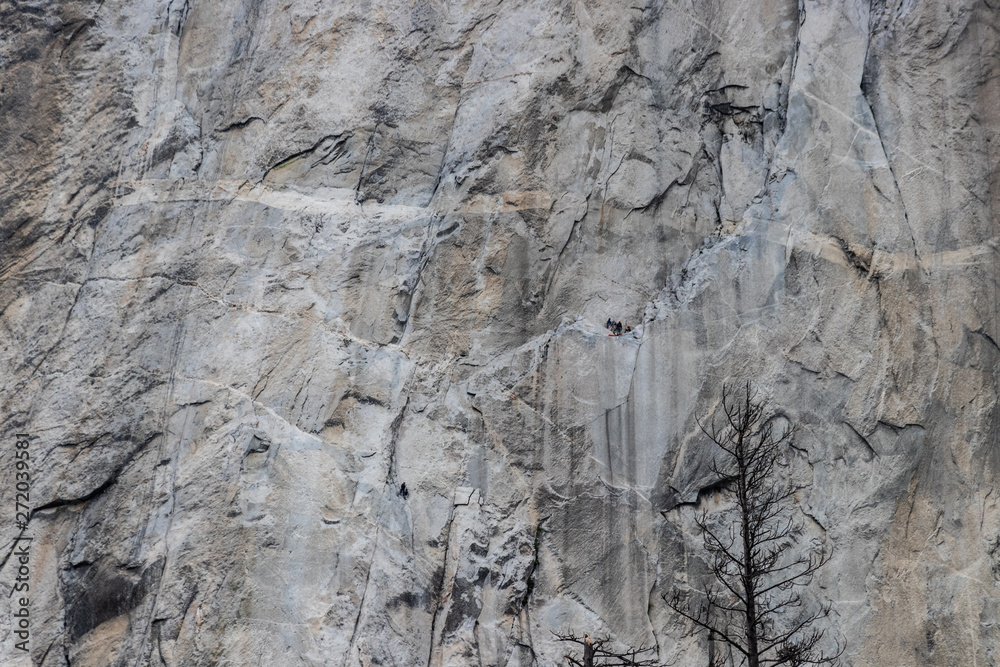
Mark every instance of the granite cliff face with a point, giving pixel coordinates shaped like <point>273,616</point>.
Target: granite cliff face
<point>302,308</point>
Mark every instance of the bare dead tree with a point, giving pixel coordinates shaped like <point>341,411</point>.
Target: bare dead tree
<point>597,652</point>
<point>756,551</point>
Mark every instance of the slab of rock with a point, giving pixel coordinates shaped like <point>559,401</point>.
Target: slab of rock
<point>303,313</point>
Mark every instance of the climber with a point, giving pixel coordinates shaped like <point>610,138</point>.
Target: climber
<point>608,324</point>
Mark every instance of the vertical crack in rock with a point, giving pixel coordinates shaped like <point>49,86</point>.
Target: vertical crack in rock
<point>361,603</point>
<point>444,154</point>
<point>460,73</point>
<point>536,546</point>
<point>364,165</point>
<point>556,265</point>
<point>866,94</point>
<point>177,17</point>
<point>427,247</point>
<point>384,501</point>
<point>796,49</point>
<point>174,358</point>
<point>611,152</point>
<point>439,594</point>
<point>869,91</point>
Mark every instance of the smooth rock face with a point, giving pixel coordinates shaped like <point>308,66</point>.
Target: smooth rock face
<point>303,304</point>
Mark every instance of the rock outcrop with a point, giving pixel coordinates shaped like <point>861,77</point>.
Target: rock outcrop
<point>303,304</point>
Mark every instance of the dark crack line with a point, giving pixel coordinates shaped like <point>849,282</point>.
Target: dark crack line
<point>428,245</point>
<point>164,421</point>
<point>895,181</point>
<point>48,648</point>
<point>78,28</point>
<point>294,156</point>
<point>11,550</point>
<point>451,128</point>
<point>982,332</point>
<point>364,594</point>
<point>439,597</point>
<point>239,125</point>
<point>390,479</point>
<point>558,260</point>
<point>865,82</point>
<point>107,484</point>
<point>364,165</point>
<point>863,439</point>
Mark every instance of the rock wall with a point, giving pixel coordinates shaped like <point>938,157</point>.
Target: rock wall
<point>302,309</point>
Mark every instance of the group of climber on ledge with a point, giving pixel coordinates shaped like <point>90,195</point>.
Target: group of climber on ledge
<point>616,328</point>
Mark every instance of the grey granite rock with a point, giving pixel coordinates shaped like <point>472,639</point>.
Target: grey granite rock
<point>302,309</point>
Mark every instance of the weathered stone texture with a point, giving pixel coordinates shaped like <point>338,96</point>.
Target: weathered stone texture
<point>302,306</point>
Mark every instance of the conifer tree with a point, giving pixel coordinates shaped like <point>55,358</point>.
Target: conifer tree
<point>753,610</point>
